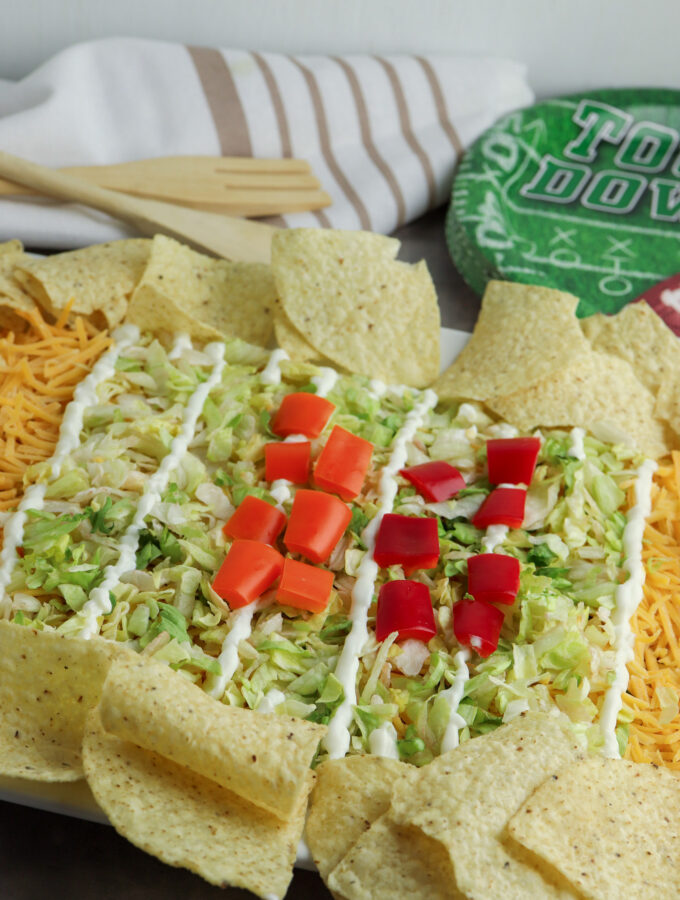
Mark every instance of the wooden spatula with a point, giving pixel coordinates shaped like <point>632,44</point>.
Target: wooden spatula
<point>238,186</point>
<point>231,238</point>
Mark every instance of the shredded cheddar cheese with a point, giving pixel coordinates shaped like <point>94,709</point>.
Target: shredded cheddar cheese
<point>654,686</point>
<point>39,371</point>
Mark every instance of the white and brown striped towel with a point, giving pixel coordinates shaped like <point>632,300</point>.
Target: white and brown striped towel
<point>381,132</point>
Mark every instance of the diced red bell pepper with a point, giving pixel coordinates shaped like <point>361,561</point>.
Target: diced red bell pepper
<point>512,460</point>
<point>249,569</point>
<point>316,524</point>
<point>304,586</point>
<point>408,541</point>
<point>288,459</point>
<point>405,607</point>
<point>493,577</point>
<point>436,480</point>
<point>477,624</point>
<point>503,506</point>
<point>302,413</point>
<point>343,463</point>
<point>255,520</point>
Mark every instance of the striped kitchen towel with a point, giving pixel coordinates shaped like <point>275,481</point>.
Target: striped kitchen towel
<point>382,133</point>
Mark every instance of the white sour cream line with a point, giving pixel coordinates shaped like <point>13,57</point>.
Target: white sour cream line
<point>84,396</point>
<point>182,343</point>
<point>383,741</point>
<point>271,700</point>
<point>494,535</point>
<point>228,658</point>
<point>280,491</point>
<point>337,739</point>
<point>271,374</point>
<point>576,448</point>
<point>454,694</point>
<point>99,602</point>
<point>628,596</point>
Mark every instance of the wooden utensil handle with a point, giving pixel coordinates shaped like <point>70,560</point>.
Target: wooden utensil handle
<point>73,190</point>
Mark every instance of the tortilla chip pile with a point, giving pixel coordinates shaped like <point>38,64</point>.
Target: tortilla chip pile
<point>515,813</point>
<point>337,297</point>
<point>533,363</point>
<point>216,789</point>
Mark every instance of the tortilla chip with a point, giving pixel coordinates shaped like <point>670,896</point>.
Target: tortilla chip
<point>592,325</point>
<point>209,299</point>
<point>296,346</point>
<point>356,305</point>
<point>99,279</point>
<point>12,295</point>
<point>591,390</point>
<point>349,795</point>
<point>391,860</point>
<point>465,798</point>
<point>523,335</point>
<point>47,684</point>
<point>12,247</point>
<point>187,820</point>
<point>641,337</point>
<point>609,825</point>
<point>263,758</point>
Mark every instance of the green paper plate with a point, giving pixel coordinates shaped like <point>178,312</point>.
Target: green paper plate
<point>580,193</point>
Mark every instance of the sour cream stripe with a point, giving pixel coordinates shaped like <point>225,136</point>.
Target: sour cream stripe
<point>241,628</point>
<point>337,740</point>
<point>454,694</point>
<point>84,396</point>
<point>628,596</point>
<point>99,602</point>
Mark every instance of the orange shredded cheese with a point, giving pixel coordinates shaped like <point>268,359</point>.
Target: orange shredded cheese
<point>653,695</point>
<point>39,371</point>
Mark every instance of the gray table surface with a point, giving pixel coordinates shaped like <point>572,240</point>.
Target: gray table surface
<point>43,854</point>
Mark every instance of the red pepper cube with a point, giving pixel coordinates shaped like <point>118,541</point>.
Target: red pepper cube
<point>405,607</point>
<point>408,541</point>
<point>436,480</point>
<point>512,460</point>
<point>255,520</point>
<point>477,624</point>
<point>249,569</point>
<point>302,413</point>
<point>493,577</point>
<point>316,524</point>
<point>289,460</point>
<point>343,463</point>
<point>503,506</point>
<point>304,586</point>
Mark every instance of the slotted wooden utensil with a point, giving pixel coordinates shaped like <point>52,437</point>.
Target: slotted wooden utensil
<point>238,186</point>
<point>226,236</point>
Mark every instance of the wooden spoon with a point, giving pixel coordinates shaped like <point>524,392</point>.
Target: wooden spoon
<point>228,237</point>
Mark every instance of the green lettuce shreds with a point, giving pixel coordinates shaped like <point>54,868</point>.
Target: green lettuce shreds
<point>555,649</point>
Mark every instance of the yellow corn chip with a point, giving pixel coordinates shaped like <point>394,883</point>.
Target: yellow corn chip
<point>263,758</point>
<point>590,391</point>
<point>610,826</point>
<point>523,335</point>
<point>356,305</point>
<point>47,684</point>
<point>187,820</point>
<point>465,798</point>
<point>99,279</point>
<point>349,795</point>
<point>210,299</point>
<point>296,346</point>
<point>391,860</point>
